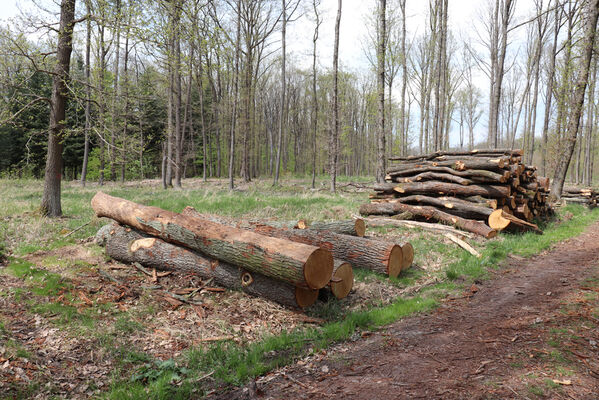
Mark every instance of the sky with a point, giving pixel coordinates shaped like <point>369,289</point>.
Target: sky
<point>464,15</point>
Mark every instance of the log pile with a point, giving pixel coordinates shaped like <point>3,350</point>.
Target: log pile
<point>480,191</point>
<point>287,262</point>
<point>586,196</point>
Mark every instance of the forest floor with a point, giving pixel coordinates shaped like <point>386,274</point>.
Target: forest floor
<point>74,324</point>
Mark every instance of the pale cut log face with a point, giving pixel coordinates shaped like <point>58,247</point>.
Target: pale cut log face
<point>408,256</point>
<point>305,297</point>
<point>395,261</point>
<point>145,243</point>
<point>360,227</point>
<point>318,269</point>
<point>345,275</point>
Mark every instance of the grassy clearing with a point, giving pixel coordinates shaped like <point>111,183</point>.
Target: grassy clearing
<point>228,363</point>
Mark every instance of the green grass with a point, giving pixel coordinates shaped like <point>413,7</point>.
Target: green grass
<point>231,363</point>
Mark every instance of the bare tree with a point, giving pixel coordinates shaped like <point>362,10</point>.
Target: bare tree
<point>380,75</point>
<point>333,148</point>
<point>588,42</point>
<point>317,22</point>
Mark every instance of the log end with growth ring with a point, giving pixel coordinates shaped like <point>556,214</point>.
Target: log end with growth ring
<point>305,297</point>
<point>343,280</point>
<point>395,261</point>
<point>360,227</point>
<point>407,256</point>
<point>497,221</point>
<point>318,268</point>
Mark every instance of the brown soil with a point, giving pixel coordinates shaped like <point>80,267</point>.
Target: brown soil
<point>532,331</point>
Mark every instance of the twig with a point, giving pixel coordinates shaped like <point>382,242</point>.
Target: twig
<point>182,298</point>
<point>463,244</point>
<point>75,230</point>
<point>141,268</point>
<point>109,277</point>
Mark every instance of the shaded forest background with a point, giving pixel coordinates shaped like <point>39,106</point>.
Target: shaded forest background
<point>184,88</point>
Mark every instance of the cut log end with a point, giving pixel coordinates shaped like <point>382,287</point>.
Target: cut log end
<point>497,221</point>
<point>360,227</point>
<point>318,268</point>
<point>407,256</point>
<point>395,262</point>
<point>302,224</point>
<point>305,297</point>
<point>343,280</point>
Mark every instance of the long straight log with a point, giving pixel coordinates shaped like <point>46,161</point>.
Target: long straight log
<point>473,153</point>
<point>382,257</point>
<point>295,263</point>
<point>436,176</point>
<point>131,246</point>
<point>451,205</point>
<point>496,165</point>
<point>353,227</point>
<point>480,175</point>
<point>444,188</point>
<point>429,213</point>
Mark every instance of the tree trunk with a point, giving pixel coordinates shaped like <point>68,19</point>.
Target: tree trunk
<point>333,151</point>
<point>282,114</point>
<point>87,95</point>
<point>51,205</point>
<point>578,99</point>
<point>131,246</point>
<point>295,263</point>
<point>380,79</point>
<point>452,189</point>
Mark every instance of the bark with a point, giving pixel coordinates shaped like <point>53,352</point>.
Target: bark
<point>382,257</point>
<point>314,93</point>
<point>492,191</point>
<point>435,176</point>
<point>578,99</point>
<point>131,246</point>
<point>87,96</point>
<point>462,208</point>
<point>295,263</point>
<point>353,227</point>
<point>333,151</point>
<point>496,165</point>
<point>429,213</point>
<point>235,99</point>
<point>380,76</point>
<point>51,205</point>
<point>473,174</point>
<point>282,113</point>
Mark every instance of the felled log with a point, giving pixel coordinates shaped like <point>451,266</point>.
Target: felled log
<point>451,205</point>
<point>296,263</point>
<point>428,226</point>
<point>130,246</point>
<point>343,279</point>
<point>444,188</point>
<point>432,176</point>
<point>354,227</point>
<point>429,213</point>
<point>382,257</point>
<point>479,175</point>
<point>501,220</point>
<point>462,164</point>
<point>473,153</point>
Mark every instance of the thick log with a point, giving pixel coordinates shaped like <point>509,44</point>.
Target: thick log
<point>451,205</point>
<point>353,227</point>
<point>295,263</point>
<point>433,227</point>
<point>429,213</point>
<point>496,165</point>
<point>444,188</point>
<point>492,203</point>
<point>407,251</point>
<point>500,220</point>
<point>436,176</point>
<point>479,175</point>
<point>343,279</point>
<point>130,246</point>
<point>382,257</point>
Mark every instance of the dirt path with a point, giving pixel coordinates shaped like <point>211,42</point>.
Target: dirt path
<point>529,332</point>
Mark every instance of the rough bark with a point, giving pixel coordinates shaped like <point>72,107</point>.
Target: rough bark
<point>51,205</point>
<point>492,191</point>
<point>354,227</point>
<point>479,175</point>
<point>295,263</point>
<point>380,79</point>
<point>382,257</point>
<point>131,246</point>
<point>464,209</point>
<point>429,213</point>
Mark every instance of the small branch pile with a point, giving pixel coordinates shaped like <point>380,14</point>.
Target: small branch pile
<point>287,262</point>
<point>481,191</point>
<point>586,196</point>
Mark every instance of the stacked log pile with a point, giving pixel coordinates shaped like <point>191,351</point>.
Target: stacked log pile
<point>287,262</point>
<point>586,196</point>
<point>481,191</point>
